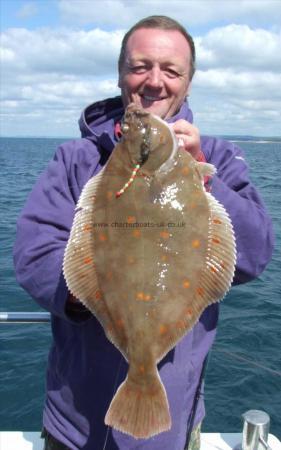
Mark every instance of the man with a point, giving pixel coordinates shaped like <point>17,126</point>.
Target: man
<point>156,66</point>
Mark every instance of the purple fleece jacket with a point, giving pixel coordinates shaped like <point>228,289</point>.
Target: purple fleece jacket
<point>84,368</point>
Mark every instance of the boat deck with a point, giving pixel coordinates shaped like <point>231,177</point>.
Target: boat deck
<point>27,440</point>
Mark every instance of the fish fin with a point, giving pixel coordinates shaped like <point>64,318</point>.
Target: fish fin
<point>87,196</point>
<point>218,273</point>
<point>78,263</point>
<point>140,410</point>
<point>215,278</point>
<point>205,169</point>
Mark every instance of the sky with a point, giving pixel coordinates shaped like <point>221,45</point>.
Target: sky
<point>58,56</point>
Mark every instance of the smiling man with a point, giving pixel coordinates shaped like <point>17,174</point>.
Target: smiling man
<point>156,66</point>
<point>156,71</point>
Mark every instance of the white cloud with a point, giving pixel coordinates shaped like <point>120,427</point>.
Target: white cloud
<point>66,51</point>
<point>227,102</point>
<point>7,55</point>
<point>50,75</point>
<point>188,12</point>
<point>246,83</point>
<point>241,47</point>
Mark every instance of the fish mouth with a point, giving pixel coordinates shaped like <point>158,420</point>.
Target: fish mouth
<point>135,122</point>
<point>145,146</point>
<point>134,117</point>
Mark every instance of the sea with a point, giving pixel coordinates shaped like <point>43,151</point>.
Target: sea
<point>244,368</point>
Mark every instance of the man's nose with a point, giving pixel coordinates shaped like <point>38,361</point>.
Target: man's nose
<point>155,78</point>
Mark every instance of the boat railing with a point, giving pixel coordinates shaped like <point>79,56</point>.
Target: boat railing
<point>45,317</point>
<point>25,317</point>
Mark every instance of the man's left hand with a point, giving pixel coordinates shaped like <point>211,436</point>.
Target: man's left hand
<point>188,136</point>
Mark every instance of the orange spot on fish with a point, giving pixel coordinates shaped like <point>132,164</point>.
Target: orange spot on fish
<point>200,291</point>
<point>185,170</point>
<point>109,195</point>
<point>186,284</point>
<point>131,219</point>
<point>181,324</point>
<point>193,205</point>
<point>163,329</point>
<point>214,269</point>
<point>217,221</point>
<point>189,312</point>
<point>131,259</point>
<point>88,260</point>
<point>138,394</point>
<point>164,258</point>
<point>136,233</point>
<point>196,243</point>
<point>141,369</point>
<point>120,323</point>
<point>102,237</point>
<point>109,275</point>
<point>165,234</point>
<point>98,295</point>
<point>144,297</point>
<point>216,241</point>
<point>87,227</point>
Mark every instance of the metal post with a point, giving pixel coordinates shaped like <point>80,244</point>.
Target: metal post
<point>25,317</point>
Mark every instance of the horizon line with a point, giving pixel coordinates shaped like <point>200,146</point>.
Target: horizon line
<point>79,137</point>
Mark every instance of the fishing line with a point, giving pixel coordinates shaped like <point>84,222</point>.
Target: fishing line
<point>114,390</point>
<point>198,394</point>
<point>247,360</point>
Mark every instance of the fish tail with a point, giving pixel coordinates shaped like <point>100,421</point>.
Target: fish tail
<point>140,410</point>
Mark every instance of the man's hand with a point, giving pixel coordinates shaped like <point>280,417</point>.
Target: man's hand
<point>188,136</point>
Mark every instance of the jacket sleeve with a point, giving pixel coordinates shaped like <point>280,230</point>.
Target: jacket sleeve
<point>251,222</point>
<point>42,233</point>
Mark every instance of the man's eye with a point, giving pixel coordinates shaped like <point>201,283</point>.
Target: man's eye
<point>138,69</point>
<point>172,73</point>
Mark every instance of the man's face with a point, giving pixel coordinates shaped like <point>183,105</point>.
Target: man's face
<point>155,74</point>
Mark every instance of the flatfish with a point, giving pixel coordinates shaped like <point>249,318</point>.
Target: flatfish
<point>148,251</point>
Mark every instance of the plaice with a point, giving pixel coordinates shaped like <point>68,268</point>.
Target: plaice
<point>148,251</point>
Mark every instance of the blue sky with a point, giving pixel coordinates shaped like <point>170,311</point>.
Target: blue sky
<point>29,14</point>
<point>58,56</point>
<point>50,13</point>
